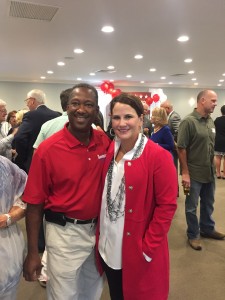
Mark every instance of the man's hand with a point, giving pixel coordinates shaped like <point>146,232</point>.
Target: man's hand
<point>32,267</point>
<point>186,182</point>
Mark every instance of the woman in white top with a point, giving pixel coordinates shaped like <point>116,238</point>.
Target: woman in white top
<point>137,208</point>
<point>12,183</point>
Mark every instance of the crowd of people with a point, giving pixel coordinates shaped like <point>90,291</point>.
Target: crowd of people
<point>84,205</point>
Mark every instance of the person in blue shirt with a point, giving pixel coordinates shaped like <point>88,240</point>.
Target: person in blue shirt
<point>161,133</point>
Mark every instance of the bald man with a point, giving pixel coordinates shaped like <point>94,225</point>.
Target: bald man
<point>195,143</point>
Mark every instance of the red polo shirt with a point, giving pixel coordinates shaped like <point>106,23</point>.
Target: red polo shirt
<point>65,174</point>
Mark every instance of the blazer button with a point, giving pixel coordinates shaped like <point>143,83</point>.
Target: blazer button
<point>130,187</point>
<point>130,210</point>
<point>129,164</point>
<point>128,233</point>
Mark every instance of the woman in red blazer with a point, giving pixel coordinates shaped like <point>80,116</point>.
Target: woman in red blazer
<point>138,204</point>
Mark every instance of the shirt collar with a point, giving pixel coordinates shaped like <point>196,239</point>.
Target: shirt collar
<point>72,142</point>
<point>129,154</point>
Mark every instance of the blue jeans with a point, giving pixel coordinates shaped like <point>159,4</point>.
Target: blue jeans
<point>206,193</point>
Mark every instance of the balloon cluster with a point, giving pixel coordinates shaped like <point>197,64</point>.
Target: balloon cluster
<point>155,98</point>
<point>108,88</point>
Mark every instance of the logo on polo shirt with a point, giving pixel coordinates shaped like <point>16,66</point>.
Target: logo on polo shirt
<point>102,156</point>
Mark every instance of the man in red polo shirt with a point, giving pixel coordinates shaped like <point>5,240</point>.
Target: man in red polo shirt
<point>64,183</point>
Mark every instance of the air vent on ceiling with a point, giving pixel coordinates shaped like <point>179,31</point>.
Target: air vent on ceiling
<point>32,11</point>
<point>105,71</point>
<point>178,74</point>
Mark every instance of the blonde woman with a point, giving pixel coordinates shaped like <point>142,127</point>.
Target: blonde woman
<point>161,134</point>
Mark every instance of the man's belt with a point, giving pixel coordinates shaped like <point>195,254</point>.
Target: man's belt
<point>76,221</point>
<point>60,218</point>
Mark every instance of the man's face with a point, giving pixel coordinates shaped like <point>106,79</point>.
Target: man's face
<point>3,113</point>
<point>30,103</point>
<point>145,106</point>
<point>82,110</point>
<point>166,107</point>
<point>209,102</point>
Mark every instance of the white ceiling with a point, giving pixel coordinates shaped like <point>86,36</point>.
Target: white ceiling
<point>30,47</point>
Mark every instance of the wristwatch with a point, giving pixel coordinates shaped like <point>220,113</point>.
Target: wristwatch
<point>9,220</point>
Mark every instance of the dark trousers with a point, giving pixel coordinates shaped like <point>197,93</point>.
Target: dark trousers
<point>114,278</point>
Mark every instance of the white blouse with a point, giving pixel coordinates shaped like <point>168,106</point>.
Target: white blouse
<point>111,233</point>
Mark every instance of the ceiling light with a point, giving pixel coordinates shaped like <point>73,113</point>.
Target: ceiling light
<point>92,74</point>
<point>188,60</point>
<point>138,56</point>
<point>221,80</point>
<point>152,70</point>
<point>111,80</point>
<point>183,38</point>
<point>129,76</point>
<point>196,83</point>
<point>111,67</point>
<point>60,63</point>
<point>107,29</point>
<point>191,72</point>
<point>163,77</point>
<point>43,77</point>
<point>223,74</point>
<point>170,82</point>
<point>50,72</point>
<point>142,81</point>
<point>78,78</point>
<point>78,51</point>
<point>219,84</point>
<point>193,79</point>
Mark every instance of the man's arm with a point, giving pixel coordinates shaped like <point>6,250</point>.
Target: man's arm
<point>32,265</point>
<point>182,154</point>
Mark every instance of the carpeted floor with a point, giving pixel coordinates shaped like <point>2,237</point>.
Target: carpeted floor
<point>194,275</point>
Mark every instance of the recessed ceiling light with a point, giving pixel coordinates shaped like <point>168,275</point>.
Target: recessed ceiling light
<point>50,72</point>
<point>219,84</point>
<point>111,67</point>
<point>183,38</point>
<point>111,80</point>
<point>196,83</point>
<point>138,56</point>
<point>188,60</point>
<point>60,63</point>
<point>193,79</point>
<point>163,77</point>
<point>142,81</point>
<point>223,74</point>
<point>191,72</point>
<point>221,80</point>
<point>170,82</point>
<point>43,77</point>
<point>78,51</point>
<point>92,74</point>
<point>78,78</point>
<point>107,29</point>
<point>129,76</point>
<point>152,70</point>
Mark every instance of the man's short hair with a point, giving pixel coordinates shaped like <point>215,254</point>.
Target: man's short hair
<point>89,87</point>
<point>64,98</point>
<point>38,95</point>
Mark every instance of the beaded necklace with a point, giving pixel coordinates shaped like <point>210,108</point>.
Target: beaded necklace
<point>114,206</point>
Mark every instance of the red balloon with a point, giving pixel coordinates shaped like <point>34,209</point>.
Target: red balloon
<point>115,92</point>
<point>104,86</point>
<point>155,97</point>
<point>149,101</point>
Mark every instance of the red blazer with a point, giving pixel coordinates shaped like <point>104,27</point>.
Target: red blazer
<point>151,191</point>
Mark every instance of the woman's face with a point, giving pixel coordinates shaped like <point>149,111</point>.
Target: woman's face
<point>125,122</point>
